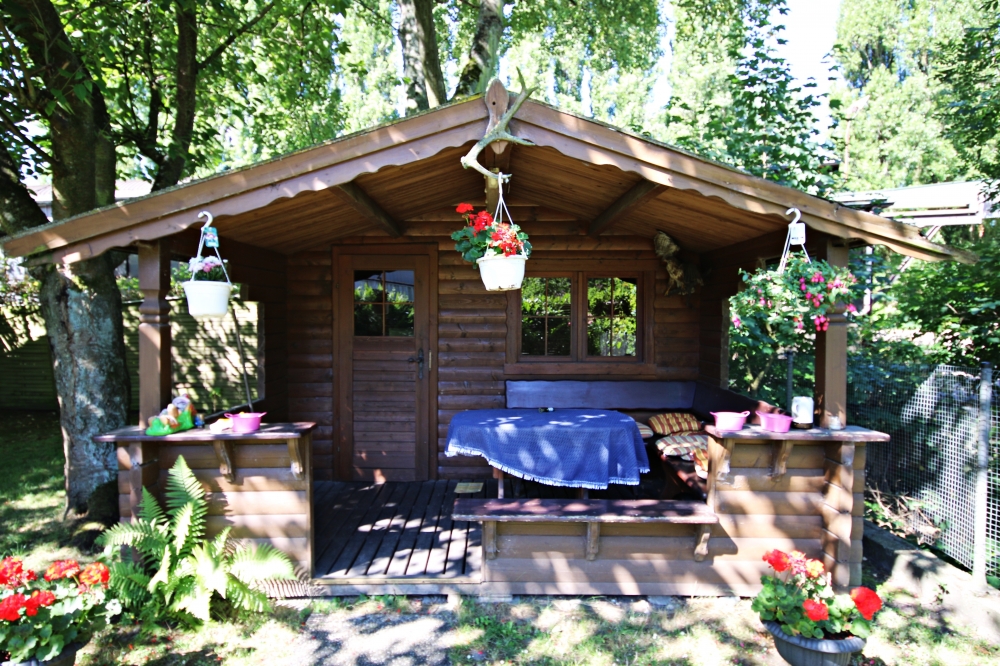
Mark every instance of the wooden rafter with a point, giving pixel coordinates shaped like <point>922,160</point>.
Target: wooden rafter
<point>368,207</point>
<point>643,191</point>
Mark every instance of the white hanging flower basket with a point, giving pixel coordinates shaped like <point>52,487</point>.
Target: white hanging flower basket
<point>207,299</point>
<point>502,273</point>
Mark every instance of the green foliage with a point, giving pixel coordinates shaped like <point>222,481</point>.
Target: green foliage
<point>970,73</point>
<point>180,573</point>
<point>746,110</point>
<point>777,313</point>
<point>890,55</point>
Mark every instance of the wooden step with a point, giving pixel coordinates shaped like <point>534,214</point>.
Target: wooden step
<point>584,511</point>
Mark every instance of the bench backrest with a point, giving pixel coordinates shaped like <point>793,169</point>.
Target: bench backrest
<point>630,396</point>
<point>569,394</point>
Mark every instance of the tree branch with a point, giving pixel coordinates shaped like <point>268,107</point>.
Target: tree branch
<point>499,133</point>
<point>12,126</point>
<point>236,34</point>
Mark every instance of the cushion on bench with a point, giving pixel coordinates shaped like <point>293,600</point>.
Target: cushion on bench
<point>680,423</point>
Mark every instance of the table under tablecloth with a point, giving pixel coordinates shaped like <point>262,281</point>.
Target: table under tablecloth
<point>575,448</point>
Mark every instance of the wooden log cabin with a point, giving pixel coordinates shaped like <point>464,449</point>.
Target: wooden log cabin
<point>350,476</point>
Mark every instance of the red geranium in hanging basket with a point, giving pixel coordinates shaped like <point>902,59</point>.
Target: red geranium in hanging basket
<point>499,249</point>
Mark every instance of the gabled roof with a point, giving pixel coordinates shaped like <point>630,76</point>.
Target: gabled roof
<point>404,175</point>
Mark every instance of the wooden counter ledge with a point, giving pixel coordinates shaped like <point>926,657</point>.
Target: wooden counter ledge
<point>267,431</point>
<point>848,434</point>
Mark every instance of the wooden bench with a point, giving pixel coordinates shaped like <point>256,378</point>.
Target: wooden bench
<point>639,399</point>
<point>593,512</point>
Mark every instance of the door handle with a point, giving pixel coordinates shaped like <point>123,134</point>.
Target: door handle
<point>419,360</point>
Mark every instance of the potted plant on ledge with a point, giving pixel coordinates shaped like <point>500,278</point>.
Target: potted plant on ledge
<point>498,249</point>
<point>810,624</point>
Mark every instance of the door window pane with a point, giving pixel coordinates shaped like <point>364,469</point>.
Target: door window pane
<point>545,316</point>
<point>611,316</point>
<point>383,303</point>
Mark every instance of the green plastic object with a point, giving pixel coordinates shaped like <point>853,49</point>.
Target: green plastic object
<point>158,428</point>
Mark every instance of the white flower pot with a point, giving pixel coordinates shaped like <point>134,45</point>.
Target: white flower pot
<point>207,299</point>
<point>502,273</point>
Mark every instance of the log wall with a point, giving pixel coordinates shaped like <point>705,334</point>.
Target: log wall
<point>811,508</point>
<point>472,325</point>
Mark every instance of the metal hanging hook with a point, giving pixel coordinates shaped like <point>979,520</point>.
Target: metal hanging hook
<point>795,213</point>
<point>208,215</point>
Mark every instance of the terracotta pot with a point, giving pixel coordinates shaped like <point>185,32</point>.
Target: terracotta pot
<point>800,651</point>
<point>502,273</point>
<point>207,299</point>
<point>65,658</point>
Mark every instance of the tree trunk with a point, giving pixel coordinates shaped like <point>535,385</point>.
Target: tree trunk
<point>425,87</point>
<point>82,309</point>
<point>80,303</point>
<point>484,53</point>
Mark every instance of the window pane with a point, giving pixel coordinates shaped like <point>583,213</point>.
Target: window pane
<point>533,336</point>
<point>533,296</point>
<point>399,319</point>
<point>559,337</point>
<point>399,287</point>
<point>558,295</point>
<point>368,318</point>
<point>545,310</point>
<point>368,286</point>
<point>611,316</point>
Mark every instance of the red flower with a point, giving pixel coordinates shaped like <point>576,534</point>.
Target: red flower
<point>816,610</point>
<point>480,221</point>
<point>777,559</point>
<point>867,601</point>
<point>95,573</point>
<point>10,608</point>
<point>62,569</point>
<point>38,598</point>
<point>13,574</point>
<point>463,208</point>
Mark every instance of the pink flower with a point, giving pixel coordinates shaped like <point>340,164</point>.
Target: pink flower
<point>851,308</point>
<point>736,322</point>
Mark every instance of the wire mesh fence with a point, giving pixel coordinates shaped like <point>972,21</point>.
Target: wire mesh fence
<point>932,415</point>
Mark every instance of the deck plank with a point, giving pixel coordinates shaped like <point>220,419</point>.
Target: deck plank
<point>357,554</point>
<point>335,522</point>
<point>428,531</point>
<point>346,528</point>
<point>411,530</point>
<point>438,559</point>
<point>382,557</point>
<point>587,511</point>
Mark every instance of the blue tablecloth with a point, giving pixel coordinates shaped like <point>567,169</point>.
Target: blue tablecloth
<point>577,448</point>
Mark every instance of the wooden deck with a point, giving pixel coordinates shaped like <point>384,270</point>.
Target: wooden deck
<point>403,533</point>
<point>394,532</point>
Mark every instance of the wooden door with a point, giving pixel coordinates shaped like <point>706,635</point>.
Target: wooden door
<point>384,361</point>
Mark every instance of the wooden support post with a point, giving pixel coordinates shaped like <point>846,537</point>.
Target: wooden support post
<point>143,471</point>
<point>155,377</point>
<point>831,352</point>
<point>593,540</point>
<point>499,475</point>
<point>490,539</point>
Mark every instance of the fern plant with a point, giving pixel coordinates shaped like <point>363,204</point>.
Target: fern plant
<point>176,572</point>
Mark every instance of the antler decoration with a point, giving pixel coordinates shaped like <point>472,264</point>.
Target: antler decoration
<point>499,132</point>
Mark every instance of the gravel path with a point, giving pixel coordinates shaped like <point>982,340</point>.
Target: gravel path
<point>359,637</point>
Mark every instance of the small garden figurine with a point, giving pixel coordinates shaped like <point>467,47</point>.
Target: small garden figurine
<point>798,606</point>
<point>51,617</point>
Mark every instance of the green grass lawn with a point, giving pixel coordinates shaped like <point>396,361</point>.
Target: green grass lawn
<point>599,631</point>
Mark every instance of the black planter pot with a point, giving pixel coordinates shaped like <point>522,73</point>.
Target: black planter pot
<point>799,651</point>
<point>65,658</point>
